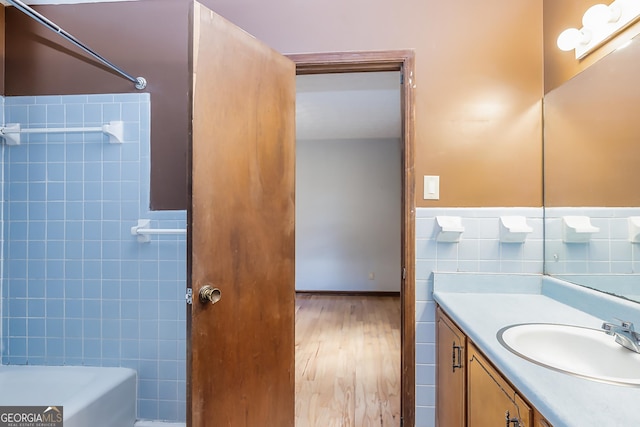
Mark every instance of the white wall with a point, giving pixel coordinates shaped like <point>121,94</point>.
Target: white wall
<point>348,215</point>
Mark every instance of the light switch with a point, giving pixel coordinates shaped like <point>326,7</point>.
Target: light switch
<point>431,187</point>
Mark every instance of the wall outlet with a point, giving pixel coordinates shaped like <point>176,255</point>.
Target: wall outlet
<point>372,276</point>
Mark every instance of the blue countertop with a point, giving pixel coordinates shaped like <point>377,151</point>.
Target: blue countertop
<point>482,304</point>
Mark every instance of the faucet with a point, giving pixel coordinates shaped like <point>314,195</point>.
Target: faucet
<point>625,335</point>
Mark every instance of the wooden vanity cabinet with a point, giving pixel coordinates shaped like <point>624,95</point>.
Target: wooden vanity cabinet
<point>491,400</point>
<point>470,391</point>
<point>450,373</point>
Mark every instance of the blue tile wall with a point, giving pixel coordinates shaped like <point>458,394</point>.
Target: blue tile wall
<point>78,288</point>
<point>609,251</point>
<point>4,325</point>
<point>479,250</point>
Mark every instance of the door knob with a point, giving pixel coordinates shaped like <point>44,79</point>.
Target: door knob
<point>209,294</point>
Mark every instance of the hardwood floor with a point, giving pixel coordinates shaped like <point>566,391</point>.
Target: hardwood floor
<point>347,361</point>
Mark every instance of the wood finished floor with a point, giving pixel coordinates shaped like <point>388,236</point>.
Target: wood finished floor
<point>347,361</point>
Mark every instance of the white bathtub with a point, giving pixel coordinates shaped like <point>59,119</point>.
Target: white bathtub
<point>95,397</point>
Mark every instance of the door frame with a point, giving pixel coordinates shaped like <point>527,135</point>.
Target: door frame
<point>403,61</point>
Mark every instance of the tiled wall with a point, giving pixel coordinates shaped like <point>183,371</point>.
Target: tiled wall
<point>78,288</point>
<point>608,252</point>
<point>479,250</point>
<point>2,296</point>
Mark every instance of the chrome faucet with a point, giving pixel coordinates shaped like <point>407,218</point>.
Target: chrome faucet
<point>625,335</point>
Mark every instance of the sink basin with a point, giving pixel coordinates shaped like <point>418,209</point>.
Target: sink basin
<point>584,352</point>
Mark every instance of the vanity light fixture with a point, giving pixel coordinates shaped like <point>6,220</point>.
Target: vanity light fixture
<point>599,24</point>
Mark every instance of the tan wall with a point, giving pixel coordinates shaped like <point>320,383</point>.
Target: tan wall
<point>591,135</point>
<point>479,81</point>
<point>591,117</point>
<point>478,84</point>
<point>591,160</point>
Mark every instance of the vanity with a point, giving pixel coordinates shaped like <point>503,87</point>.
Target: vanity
<point>482,382</point>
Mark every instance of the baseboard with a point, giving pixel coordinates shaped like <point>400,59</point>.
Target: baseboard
<point>353,293</point>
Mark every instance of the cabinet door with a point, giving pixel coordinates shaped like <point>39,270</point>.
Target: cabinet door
<point>450,373</point>
<point>490,397</point>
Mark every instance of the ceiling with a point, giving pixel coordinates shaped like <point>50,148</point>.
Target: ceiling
<point>348,106</point>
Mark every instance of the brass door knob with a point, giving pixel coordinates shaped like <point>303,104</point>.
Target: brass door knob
<point>209,294</point>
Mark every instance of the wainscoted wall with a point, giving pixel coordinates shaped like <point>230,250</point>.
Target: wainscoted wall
<point>2,193</point>
<point>608,252</point>
<point>479,250</point>
<point>78,289</point>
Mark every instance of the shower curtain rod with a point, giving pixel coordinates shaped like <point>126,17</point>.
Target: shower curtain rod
<point>140,82</point>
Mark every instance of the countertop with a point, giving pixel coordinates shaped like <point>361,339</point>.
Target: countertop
<point>482,304</point>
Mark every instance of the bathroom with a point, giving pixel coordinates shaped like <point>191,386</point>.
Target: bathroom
<point>478,126</point>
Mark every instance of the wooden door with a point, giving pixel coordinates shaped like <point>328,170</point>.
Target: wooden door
<point>490,397</point>
<point>241,229</point>
<point>450,373</point>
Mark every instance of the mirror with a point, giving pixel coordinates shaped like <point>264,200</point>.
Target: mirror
<point>592,169</point>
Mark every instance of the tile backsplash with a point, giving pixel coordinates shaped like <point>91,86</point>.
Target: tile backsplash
<point>78,288</point>
<point>2,194</point>
<point>479,250</point>
<point>609,251</point>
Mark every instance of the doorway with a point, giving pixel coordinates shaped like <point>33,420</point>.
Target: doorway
<point>402,62</point>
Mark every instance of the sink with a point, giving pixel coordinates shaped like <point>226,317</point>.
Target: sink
<point>584,352</point>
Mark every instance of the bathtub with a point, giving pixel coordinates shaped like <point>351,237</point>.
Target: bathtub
<point>96,397</point>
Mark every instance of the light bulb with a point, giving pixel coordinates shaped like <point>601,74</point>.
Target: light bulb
<point>615,12</point>
<point>572,37</point>
<point>600,14</point>
<point>569,39</point>
<point>596,16</point>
